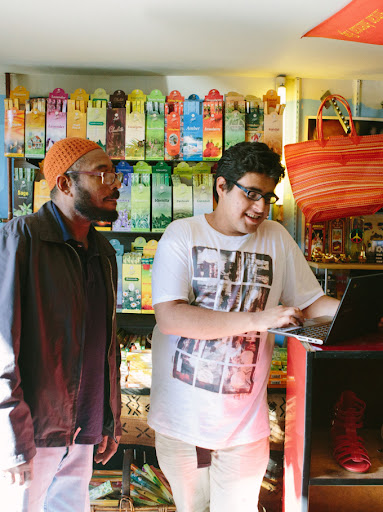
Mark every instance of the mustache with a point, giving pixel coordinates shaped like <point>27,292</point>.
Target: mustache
<point>115,195</point>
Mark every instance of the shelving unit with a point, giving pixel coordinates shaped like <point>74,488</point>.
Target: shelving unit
<point>313,480</point>
<point>343,266</point>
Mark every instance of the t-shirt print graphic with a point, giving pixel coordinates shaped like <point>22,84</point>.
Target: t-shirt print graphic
<point>226,281</point>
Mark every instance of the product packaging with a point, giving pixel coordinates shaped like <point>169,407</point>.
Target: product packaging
<point>119,248</point>
<point>336,236</point>
<point>57,105</point>
<point>234,119</point>
<point>124,205</point>
<point>131,282</point>
<point>141,202</point>
<point>147,264</point>
<point>135,126</point>
<point>115,126</point>
<point>173,126</point>
<point>155,126</point>
<point>142,167</point>
<point>212,125</point>
<point>162,168</point>
<point>23,190</point>
<point>315,238</point>
<point>202,194</point>
<point>192,136</point>
<point>254,120</point>
<point>41,194</point>
<point>14,122</point>
<point>182,198</point>
<point>35,128</point>
<point>161,201</point>
<point>273,121</point>
<point>76,118</point>
<point>96,117</point>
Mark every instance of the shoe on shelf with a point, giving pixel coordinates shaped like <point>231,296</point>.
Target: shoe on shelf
<point>348,448</point>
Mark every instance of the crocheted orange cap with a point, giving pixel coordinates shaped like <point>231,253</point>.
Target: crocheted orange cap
<point>63,154</point>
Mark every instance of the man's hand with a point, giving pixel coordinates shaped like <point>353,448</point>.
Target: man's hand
<point>280,316</point>
<point>20,475</point>
<point>106,449</point>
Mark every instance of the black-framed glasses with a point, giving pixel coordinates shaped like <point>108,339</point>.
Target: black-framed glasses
<point>107,177</point>
<point>256,196</point>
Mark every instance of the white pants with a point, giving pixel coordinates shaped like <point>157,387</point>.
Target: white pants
<point>60,482</point>
<point>231,483</point>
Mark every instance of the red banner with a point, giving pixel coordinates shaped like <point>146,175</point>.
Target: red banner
<point>360,21</point>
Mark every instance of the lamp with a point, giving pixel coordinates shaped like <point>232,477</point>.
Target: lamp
<point>280,85</point>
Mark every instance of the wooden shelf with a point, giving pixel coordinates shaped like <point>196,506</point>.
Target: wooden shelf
<point>346,266</point>
<point>325,470</point>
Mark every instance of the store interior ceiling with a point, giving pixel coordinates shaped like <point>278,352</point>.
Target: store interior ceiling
<point>247,38</point>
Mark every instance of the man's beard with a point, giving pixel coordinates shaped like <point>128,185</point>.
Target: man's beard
<point>83,204</point>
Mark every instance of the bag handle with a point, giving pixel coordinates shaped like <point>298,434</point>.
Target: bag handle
<point>320,119</point>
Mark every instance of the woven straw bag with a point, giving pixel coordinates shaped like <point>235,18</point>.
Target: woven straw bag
<point>339,176</point>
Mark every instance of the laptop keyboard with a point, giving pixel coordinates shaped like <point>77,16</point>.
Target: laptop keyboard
<point>316,331</point>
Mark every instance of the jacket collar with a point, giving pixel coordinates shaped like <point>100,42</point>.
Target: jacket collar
<point>50,230</point>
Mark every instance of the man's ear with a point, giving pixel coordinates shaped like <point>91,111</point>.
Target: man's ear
<point>221,186</point>
<point>64,183</point>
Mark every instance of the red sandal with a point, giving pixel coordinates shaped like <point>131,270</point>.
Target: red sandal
<point>348,447</point>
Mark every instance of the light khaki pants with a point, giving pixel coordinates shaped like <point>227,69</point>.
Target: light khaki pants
<point>230,484</point>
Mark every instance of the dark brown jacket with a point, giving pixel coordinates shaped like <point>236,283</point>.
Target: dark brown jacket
<point>42,321</point>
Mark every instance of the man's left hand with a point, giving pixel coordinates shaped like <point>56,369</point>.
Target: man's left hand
<point>106,449</point>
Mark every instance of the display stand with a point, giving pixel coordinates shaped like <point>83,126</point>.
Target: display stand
<point>343,266</point>
<point>313,480</point>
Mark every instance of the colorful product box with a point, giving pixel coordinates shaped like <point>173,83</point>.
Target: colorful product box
<point>273,121</point>
<point>56,117</point>
<point>115,126</point>
<point>135,126</point>
<point>14,131</point>
<point>14,122</point>
<point>146,276</point>
<point>173,125</point>
<point>142,167</point>
<point>76,118</point>
<point>315,238</point>
<point>336,236</point>
<point>192,141</point>
<point>161,201</point>
<point>212,126</point>
<point>41,194</point>
<point>202,194</point>
<point>131,283</point>
<point>96,117</point>
<point>182,198</point>
<point>234,119</point>
<point>35,128</point>
<point>23,191</point>
<point>155,126</point>
<point>254,119</point>
<point>115,133</point>
<point>119,248</point>
<point>124,206</point>
<point>141,202</point>
<point>192,134</point>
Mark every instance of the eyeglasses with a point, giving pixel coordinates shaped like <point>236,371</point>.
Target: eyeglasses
<point>256,196</point>
<point>107,177</point>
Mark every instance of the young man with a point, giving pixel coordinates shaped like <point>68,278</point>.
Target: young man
<point>59,365</point>
<point>218,280</point>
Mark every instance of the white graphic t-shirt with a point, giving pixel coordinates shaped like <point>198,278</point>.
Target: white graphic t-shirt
<point>212,393</point>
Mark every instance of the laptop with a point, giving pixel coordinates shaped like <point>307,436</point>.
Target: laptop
<point>358,313</point>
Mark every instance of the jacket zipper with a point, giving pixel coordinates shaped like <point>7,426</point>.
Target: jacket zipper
<point>82,348</point>
<point>110,346</point>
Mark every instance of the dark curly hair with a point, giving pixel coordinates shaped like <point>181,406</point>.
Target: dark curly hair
<point>248,157</point>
